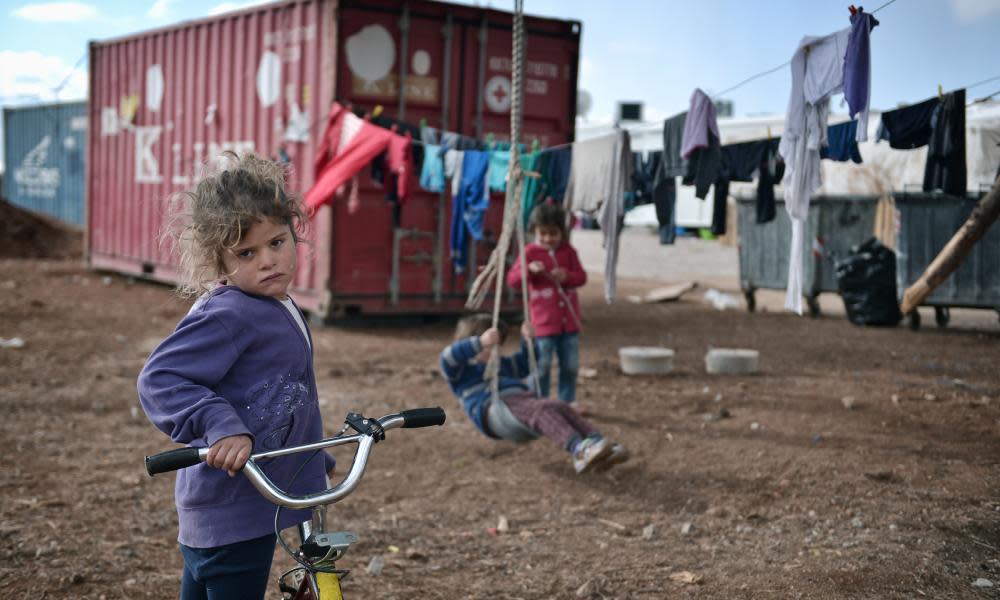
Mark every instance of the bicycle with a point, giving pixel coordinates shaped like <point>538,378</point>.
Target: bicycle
<point>316,577</point>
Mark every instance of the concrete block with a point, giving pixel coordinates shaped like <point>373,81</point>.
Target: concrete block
<point>732,361</point>
<point>646,360</point>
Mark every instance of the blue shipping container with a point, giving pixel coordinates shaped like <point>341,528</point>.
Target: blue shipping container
<point>44,149</point>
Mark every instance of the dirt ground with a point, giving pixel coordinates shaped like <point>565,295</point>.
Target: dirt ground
<point>790,496</point>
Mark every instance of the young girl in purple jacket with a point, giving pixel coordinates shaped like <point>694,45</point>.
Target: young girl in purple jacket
<point>236,376</point>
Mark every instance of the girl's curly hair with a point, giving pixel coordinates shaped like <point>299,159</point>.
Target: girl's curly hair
<point>214,217</point>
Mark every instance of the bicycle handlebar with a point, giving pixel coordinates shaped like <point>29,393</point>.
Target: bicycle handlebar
<point>187,457</point>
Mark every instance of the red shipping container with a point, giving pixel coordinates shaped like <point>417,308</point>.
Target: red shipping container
<point>164,102</point>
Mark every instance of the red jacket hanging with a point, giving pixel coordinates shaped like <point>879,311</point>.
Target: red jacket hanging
<point>549,313</point>
<point>348,145</point>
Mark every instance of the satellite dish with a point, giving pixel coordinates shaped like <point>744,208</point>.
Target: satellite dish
<point>584,102</point>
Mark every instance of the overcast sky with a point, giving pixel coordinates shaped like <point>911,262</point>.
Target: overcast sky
<point>654,51</point>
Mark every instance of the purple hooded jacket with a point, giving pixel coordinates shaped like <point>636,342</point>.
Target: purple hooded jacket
<point>237,364</point>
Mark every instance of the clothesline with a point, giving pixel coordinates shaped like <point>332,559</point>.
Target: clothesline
<point>773,69</point>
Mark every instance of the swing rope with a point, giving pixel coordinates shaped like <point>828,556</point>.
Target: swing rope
<point>511,218</point>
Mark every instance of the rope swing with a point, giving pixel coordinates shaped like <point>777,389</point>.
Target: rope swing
<point>512,222</point>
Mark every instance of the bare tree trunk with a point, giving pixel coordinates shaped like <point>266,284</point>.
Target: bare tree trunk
<point>952,255</point>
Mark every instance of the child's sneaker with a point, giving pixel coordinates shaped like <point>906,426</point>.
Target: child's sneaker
<point>616,456</point>
<point>589,452</point>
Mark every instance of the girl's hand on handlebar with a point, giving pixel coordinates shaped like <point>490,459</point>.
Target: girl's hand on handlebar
<point>230,453</point>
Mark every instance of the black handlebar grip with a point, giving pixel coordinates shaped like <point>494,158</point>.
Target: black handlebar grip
<point>172,460</point>
<point>423,417</point>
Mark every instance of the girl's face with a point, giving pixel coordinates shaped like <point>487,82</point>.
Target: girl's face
<point>550,237</point>
<point>264,261</point>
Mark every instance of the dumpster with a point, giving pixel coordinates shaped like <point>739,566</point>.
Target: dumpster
<point>164,102</point>
<point>835,223</point>
<point>927,222</point>
<point>44,149</point>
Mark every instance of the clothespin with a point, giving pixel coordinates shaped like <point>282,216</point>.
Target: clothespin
<point>853,10</point>
<point>940,92</point>
<point>489,141</point>
<point>768,132</point>
<point>808,49</point>
<point>535,144</point>
<point>423,123</point>
<point>376,111</point>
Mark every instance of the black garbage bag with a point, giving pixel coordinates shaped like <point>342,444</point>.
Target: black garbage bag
<point>866,280</point>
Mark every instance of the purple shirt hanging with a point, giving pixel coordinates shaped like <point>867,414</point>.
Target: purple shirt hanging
<point>857,69</point>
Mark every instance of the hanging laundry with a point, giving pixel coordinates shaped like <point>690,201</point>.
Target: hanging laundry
<point>453,169</point>
<point>741,162</point>
<point>599,177</point>
<point>772,169</point>
<point>946,169</point>
<point>700,144</point>
<point>399,168</point>
<point>499,165</point>
<point>841,143</point>
<point>457,141</point>
<point>556,173</point>
<point>531,162</point>
<point>720,200</point>
<point>430,136</point>
<point>432,172</point>
<point>665,200</point>
<point>817,73</point>
<point>857,70</point>
<point>908,127</point>
<point>469,204</point>
<point>643,175</point>
<point>348,145</point>
<point>671,163</point>
<point>737,162</point>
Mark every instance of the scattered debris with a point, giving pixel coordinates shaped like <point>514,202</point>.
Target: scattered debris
<point>685,577</point>
<point>848,402</point>
<point>648,531</point>
<point>686,528</point>
<point>718,415</point>
<point>393,549</point>
<point>502,525</point>
<point>982,583</point>
<point>416,555</point>
<point>612,524</point>
<point>895,399</point>
<point>817,439</point>
<point>14,342</point>
<point>754,426</point>
<point>668,293</point>
<point>375,565</point>
<point>721,300</point>
<point>930,397</point>
<point>587,372</point>
<point>857,523</point>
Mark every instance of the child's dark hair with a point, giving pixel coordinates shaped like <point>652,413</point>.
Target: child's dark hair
<point>477,325</point>
<point>548,214</point>
<point>241,191</point>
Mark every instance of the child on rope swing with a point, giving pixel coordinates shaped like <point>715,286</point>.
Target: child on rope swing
<point>517,413</point>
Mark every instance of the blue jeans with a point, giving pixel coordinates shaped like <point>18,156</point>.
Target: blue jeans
<point>567,347</point>
<point>232,572</point>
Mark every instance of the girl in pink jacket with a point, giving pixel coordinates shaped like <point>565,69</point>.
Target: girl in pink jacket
<point>554,273</point>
